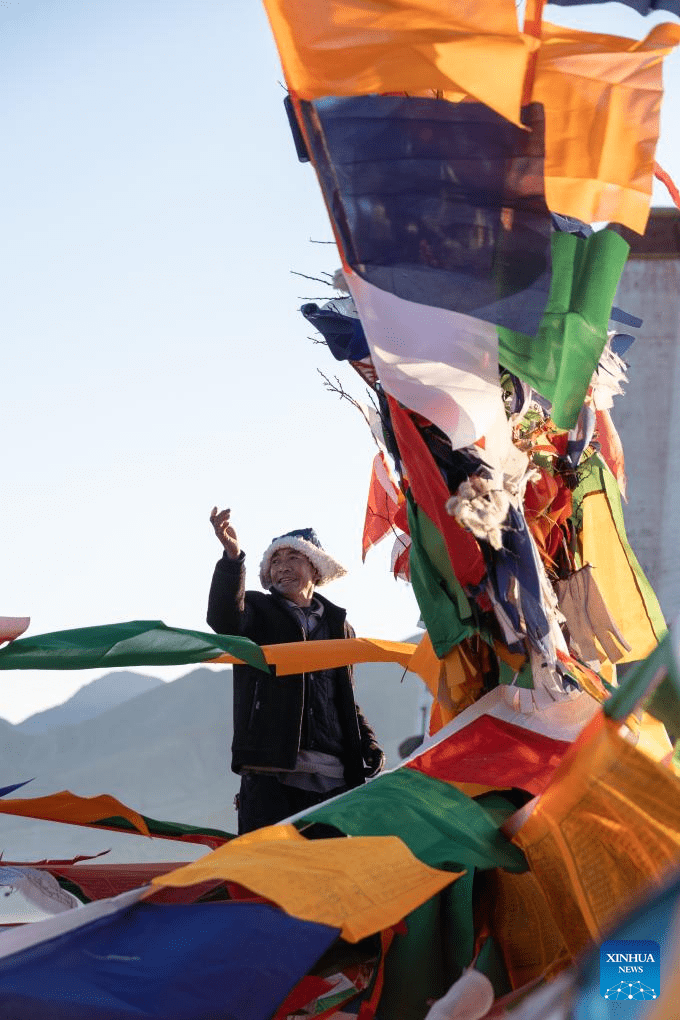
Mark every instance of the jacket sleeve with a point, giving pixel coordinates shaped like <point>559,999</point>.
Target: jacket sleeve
<point>371,751</point>
<point>228,612</point>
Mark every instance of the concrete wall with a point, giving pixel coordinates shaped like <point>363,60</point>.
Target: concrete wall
<point>648,420</point>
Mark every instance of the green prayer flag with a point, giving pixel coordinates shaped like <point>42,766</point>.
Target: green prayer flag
<point>440,825</point>
<point>138,643</point>
<point>560,360</point>
<point>653,685</point>
<point>442,602</point>
<point>415,972</point>
<point>167,830</point>
<point>445,829</point>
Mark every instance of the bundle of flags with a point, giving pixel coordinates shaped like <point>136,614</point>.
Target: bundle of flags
<point>477,290</point>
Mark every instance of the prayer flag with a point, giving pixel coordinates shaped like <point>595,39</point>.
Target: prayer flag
<point>559,362</point>
<point>307,656</point>
<point>442,602</point>
<point>138,643</point>
<point>341,328</point>
<point>438,204</point>
<point>495,754</point>
<point>106,812</point>
<point>430,492</point>
<point>601,533</point>
<point>15,786</point>
<point>654,684</point>
<point>360,886</point>
<point>437,362</point>
<point>605,831</point>
<point>440,825</point>
<point>641,6</point>
<point>384,499</point>
<point>143,643</point>
<point>185,962</point>
<point>349,48</point>
<point>602,98</point>
<point>12,626</point>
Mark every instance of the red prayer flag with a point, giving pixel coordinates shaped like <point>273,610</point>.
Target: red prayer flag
<point>492,752</point>
<point>383,502</point>
<point>430,492</point>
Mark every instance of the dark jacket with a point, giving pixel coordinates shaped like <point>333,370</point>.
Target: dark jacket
<point>269,711</point>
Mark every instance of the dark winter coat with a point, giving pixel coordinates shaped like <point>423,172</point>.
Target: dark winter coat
<point>269,711</point>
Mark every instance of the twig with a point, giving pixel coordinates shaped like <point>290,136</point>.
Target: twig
<point>316,279</point>
<point>338,388</point>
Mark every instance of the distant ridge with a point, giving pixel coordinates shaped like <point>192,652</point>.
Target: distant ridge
<point>90,701</point>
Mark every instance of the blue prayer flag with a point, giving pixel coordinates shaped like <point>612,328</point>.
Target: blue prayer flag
<point>438,203</point>
<point>15,786</point>
<point>343,333</point>
<point>235,961</point>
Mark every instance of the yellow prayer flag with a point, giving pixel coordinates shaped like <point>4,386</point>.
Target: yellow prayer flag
<point>626,592</point>
<point>606,829</point>
<point>358,47</point>
<point>515,910</point>
<point>602,97</point>
<point>360,884</point>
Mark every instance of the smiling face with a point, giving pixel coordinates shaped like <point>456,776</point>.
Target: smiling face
<point>293,575</point>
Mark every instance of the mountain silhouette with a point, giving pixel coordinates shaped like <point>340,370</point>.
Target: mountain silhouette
<point>90,701</point>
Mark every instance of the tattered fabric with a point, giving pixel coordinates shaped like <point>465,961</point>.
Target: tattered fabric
<point>602,540</point>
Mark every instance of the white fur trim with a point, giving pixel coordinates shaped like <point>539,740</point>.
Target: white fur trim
<point>326,566</point>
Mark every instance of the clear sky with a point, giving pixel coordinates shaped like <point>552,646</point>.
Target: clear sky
<point>155,363</point>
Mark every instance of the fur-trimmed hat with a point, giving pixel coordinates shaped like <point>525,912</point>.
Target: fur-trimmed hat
<point>306,541</point>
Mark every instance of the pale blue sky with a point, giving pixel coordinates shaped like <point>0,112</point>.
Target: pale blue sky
<point>155,362</point>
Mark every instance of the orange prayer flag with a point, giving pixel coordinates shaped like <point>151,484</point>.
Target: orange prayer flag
<point>605,830</point>
<point>602,97</point>
<point>515,910</point>
<point>307,656</point>
<point>353,48</point>
<point>69,808</point>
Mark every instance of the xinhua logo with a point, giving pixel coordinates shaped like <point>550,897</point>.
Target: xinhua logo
<point>630,969</point>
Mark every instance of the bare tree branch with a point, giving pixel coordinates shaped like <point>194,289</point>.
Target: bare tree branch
<point>316,279</point>
<point>338,388</point>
